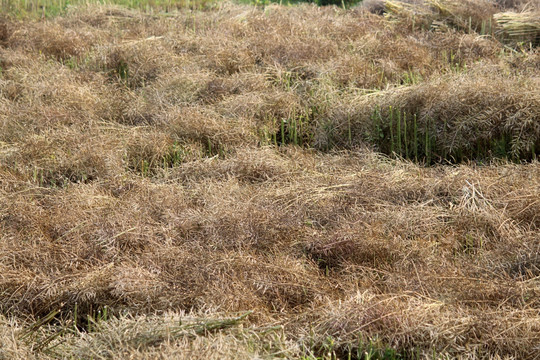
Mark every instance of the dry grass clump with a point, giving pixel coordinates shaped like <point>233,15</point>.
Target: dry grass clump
<point>318,230</point>
<point>134,63</point>
<point>54,40</point>
<point>221,162</point>
<point>408,322</point>
<point>466,115</point>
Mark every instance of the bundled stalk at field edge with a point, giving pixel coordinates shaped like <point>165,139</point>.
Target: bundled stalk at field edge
<point>462,15</point>
<point>413,13</point>
<point>519,27</point>
<point>465,15</point>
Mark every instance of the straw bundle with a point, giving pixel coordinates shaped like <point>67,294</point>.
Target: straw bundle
<point>520,27</point>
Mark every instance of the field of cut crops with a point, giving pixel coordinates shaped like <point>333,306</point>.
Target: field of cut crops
<point>258,180</point>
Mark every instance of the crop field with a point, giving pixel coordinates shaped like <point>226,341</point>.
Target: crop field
<point>260,180</point>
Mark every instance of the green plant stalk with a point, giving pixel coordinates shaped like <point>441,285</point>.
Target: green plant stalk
<point>349,130</point>
<point>304,130</point>
<point>299,130</point>
<point>399,131</point>
<point>375,122</point>
<point>415,139</point>
<point>282,132</point>
<point>290,132</point>
<point>295,131</point>
<point>444,149</point>
<point>405,137</point>
<point>391,130</point>
<point>427,150</point>
<point>75,313</point>
<point>145,167</point>
<point>274,133</point>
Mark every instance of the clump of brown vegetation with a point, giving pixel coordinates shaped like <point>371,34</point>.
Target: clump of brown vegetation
<point>210,184</point>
